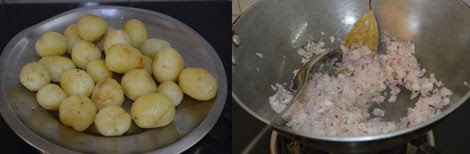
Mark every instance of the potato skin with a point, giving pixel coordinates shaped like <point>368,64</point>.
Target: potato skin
<point>137,32</point>
<point>56,65</point>
<point>167,65</point>
<point>98,70</point>
<point>198,83</point>
<point>34,75</point>
<point>153,45</point>
<point>51,44</point>
<point>77,82</point>
<point>50,96</point>
<point>116,37</point>
<point>123,57</point>
<point>107,92</point>
<point>100,44</point>
<point>171,90</point>
<point>91,28</point>
<point>83,52</point>
<point>148,64</point>
<point>77,112</point>
<point>71,36</point>
<point>152,110</point>
<point>112,121</point>
<point>136,83</point>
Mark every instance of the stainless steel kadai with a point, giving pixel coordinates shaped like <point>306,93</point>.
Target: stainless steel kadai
<point>42,128</point>
<point>275,28</point>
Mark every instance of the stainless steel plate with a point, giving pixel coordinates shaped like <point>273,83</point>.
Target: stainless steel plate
<point>42,128</point>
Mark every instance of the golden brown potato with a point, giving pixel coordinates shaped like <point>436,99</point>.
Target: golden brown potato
<point>148,64</point>
<point>152,110</point>
<point>153,45</point>
<point>198,83</point>
<point>50,96</point>
<point>123,57</point>
<point>77,82</point>
<point>56,65</point>
<point>137,32</point>
<point>110,29</point>
<point>77,112</point>
<point>51,44</point>
<point>171,90</point>
<point>98,70</point>
<point>34,75</point>
<point>167,65</point>
<point>137,82</point>
<point>107,92</point>
<point>116,37</point>
<point>71,36</point>
<point>84,52</point>
<point>112,121</point>
<point>91,28</point>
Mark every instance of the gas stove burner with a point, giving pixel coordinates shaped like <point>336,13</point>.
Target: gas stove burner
<point>280,144</point>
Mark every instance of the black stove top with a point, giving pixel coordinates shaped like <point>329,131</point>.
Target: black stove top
<point>450,134</point>
<point>211,19</point>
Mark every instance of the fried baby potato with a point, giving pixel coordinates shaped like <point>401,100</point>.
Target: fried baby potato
<point>56,65</point>
<point>171,90</point>
<point>137,82</point>
<point>84,52</point>
<point>98,70</point>
<point>100,44</point>
<point>91,28</point>
<point>34,75</point>
<point>152,110</point>
<point>112,121</point>
<point>198,83</point>
<point>137,32</point>
<point>77,82</point>
<point>116,37</point>
<point>148,64</point>
<point>153,45</point>
<point>71,36</point>
<point>51,44</point>
<point>123,57</point>
<point>167,65</point>
<point>107,92</point>
<point>50,96</point>
<point>78,112</point>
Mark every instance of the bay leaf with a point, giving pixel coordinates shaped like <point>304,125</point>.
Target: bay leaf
<point>364,32</point>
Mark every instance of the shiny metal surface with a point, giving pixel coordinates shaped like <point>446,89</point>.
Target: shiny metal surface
<point>315,65</point>
<point>42,128</point>
<point>277,28</point>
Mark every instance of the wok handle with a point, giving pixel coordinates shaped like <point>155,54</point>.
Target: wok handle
<point>425,148</point>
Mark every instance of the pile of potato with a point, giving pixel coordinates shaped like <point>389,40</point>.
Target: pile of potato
<point>88,94</point>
